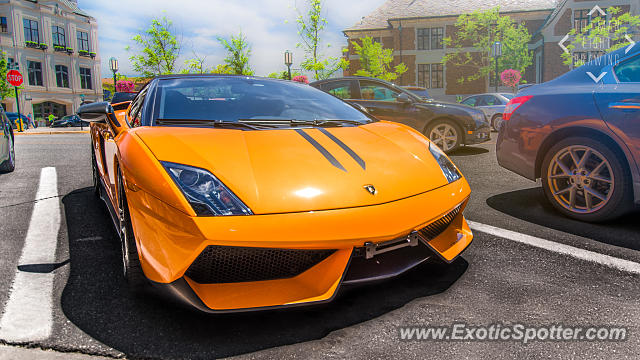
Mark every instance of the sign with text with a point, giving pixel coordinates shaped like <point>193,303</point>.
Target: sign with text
<point>14,77</point>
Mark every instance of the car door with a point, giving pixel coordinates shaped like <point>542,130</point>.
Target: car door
<point>381,101</point>
<point>4,142</point>
<point>619,103</point>
<point>344,89</point>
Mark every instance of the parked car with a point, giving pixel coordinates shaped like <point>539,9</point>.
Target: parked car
<point>230,193</point>
<point>419,91</point>
<point>7,149</point>
<point>449,125</point>
<point>492,104</point>
<point>121,97</point>
<point>580,137</point>
<point>69,121</point>
<point>12,116</point>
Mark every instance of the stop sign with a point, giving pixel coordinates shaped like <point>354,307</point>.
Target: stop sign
<point>14,77</point>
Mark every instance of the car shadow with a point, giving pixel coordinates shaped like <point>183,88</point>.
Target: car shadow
<point>531,205</point>
<point>468,151</point>
<point>96,300</point>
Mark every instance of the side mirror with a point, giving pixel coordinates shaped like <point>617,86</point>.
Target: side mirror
<point>404,98</point>
<point>96,112</point>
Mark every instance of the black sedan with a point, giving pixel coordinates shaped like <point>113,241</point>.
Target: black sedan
<point>580,134</point>
<point>449,125</point>
<point>7,150</point>
<point>69,121</point>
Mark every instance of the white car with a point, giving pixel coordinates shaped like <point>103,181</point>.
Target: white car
<point>492,104</point>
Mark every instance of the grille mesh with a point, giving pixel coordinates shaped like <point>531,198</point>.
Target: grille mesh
<point>436,228</point>
<point>228,264</point>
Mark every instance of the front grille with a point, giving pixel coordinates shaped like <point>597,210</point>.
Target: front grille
<point>436,228</point>
<point>228,264</point>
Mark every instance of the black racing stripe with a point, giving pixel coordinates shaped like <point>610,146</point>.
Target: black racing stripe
<point>322,150</point>
<point>344,147</point>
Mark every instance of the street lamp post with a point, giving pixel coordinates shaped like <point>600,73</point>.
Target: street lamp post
<point>113,63</point>
<point>288,60</point>
<point>496,49</point>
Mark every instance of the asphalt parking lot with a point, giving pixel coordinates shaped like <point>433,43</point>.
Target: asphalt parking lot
<point>529,265</point>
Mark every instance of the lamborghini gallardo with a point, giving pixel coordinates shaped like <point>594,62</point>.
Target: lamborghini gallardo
<point>235,193</point>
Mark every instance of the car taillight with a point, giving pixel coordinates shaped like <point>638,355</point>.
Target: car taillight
<point>513,105</point>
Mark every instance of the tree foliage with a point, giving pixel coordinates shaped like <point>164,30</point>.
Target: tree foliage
<point>6,89</point>
<point>222,69</point>
<point>479,30</point>
<point>195,65</point>
<point>238,54</point>
<point>284,75</point>
<point>311,24</point>
<point>601,35</point>
<point>157,51</point>
<point>375,61</point>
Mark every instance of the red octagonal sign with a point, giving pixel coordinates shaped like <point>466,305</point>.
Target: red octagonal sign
<point>14,77</point>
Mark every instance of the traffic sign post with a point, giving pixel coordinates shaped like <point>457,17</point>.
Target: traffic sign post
<point>14,77</point>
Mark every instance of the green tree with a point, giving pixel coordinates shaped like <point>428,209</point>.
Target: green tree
<point>601,35</point>
<point>284,75</point>
<point>222,69</point>
<point>195,65</point>
<point>376,61</point>
<point>479,30</point>
<point>157,50</point>
<point>310,27</point>
<point>6,90</point>
<point>238,54</point>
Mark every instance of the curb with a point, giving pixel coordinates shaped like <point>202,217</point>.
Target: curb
<point>50,133</point>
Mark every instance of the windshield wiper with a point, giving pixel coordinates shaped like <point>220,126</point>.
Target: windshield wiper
<point>212,123</point>
<point>295,122</point>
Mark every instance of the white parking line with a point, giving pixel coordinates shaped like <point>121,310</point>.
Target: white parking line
<point>614,262</point>
<point>28,313</point>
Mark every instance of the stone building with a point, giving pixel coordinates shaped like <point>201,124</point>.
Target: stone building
<point>54,44</point>
<point>415,29</point>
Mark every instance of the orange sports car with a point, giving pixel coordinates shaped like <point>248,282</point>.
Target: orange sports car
<point>235,193</point>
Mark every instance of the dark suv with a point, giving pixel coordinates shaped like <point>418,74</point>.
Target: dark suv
<point>448,125</point>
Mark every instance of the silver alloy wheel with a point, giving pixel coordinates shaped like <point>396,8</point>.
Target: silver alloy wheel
<point>445,136</point>
<point>580,179</point>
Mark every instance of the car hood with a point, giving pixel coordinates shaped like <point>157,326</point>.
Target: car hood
<point>294,170</point>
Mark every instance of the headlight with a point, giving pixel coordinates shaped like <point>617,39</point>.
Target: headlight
<point>207,195</point>
<point>448,169</point>
<point>478,117</point>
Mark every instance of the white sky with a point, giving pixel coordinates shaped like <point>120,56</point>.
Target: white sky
<point>268,24</point>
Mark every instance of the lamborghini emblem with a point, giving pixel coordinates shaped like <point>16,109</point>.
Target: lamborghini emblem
<point>372,190</point>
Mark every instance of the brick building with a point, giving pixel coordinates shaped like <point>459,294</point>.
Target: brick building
<point>415,29</point>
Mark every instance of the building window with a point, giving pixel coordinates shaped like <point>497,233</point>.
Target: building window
<point>83,41</point>
<point>35,73</point>
<point>85,78</point>
<point>62,76</point>
<point>12,65</point>
<point>423,39</point>
<point>58,36</point>
<point>580,20</point>
<point>31,31</point>
<point>424,75</point>
<point>3,24</point>
<point>436,38</point>
<point>431,76</point>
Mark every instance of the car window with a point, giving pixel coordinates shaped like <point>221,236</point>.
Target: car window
<point>341,89</point>
<point>508,97</point>
<point>470,101</point>
<point>490,100</point>
<point>629,71</point>
<point>136,108</point>
<point>370,90</point>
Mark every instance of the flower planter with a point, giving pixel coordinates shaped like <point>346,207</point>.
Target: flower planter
<point>60,48</point>
<point>69,51</point>
<point>92,54</point>
<point>31,44</point>
<point>43,46</point>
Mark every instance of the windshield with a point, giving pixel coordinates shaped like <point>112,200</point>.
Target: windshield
<point>230,99</point>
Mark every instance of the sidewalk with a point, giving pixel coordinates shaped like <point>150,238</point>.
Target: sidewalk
<point>49,131</point>
<point>20,353</point>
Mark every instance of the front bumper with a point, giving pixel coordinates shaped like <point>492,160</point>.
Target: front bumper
<point>169,242</point>
<point>478,136</point>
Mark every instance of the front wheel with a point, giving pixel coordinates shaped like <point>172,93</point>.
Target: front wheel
<point>132,268</point>
<point>445,134</point>
<point>585,180</point>
<point>497,122</point>
<point>10,164</point>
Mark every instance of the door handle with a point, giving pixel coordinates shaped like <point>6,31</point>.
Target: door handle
<point>624,105</point>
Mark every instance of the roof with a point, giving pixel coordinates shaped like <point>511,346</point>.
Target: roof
<point>74,7</point>
<point>405,9</point>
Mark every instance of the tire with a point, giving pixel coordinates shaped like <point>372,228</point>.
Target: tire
<point>497,122</point>
<point>446,134</point>
<point>94,173</point>
<point>592,189</point>
<point>132,268</point>
<point>10,164</point>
